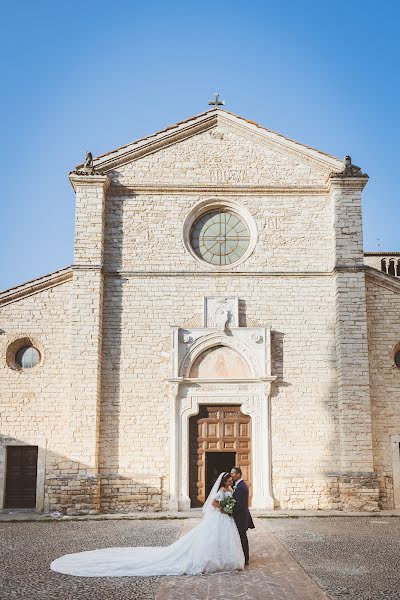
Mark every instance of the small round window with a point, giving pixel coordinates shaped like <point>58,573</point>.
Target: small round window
<point>27,357</point>
<point>220,237</point>
<point>397,359</point>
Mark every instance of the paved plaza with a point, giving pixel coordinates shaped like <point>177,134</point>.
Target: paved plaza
<point>352,558</point>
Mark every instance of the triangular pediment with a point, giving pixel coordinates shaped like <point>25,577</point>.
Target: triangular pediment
<point>217,147</point>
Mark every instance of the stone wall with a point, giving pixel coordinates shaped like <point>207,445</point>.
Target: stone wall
<point>157,284</point>
<point>144,233</point>
<point>138,314</point>
<point>383,305</point>
<point>87,332</point>
<point>228,153</point>
<point>35,403</point>
<point>357,480</point>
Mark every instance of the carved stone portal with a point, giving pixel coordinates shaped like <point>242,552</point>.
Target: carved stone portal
<point>199,378</point>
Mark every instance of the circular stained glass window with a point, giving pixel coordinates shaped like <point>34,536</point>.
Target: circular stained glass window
<point>220,237</point>
<point>27,357</point>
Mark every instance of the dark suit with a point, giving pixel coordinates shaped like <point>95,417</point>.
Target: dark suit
<point>242,515</point>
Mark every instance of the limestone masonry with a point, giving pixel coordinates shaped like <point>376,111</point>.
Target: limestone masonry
<point>152,358</point>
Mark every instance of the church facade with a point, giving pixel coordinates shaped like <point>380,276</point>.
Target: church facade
<point>219,311</point>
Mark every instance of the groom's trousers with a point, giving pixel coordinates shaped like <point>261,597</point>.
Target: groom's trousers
<point>245,543</point>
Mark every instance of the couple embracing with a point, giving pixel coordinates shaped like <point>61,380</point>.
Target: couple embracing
<point>232,486</point>
<point>218,543</point>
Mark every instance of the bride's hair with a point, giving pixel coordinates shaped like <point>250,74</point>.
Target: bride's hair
<point>224,479</point>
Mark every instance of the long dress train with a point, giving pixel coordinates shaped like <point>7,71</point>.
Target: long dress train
<point>213,545</point>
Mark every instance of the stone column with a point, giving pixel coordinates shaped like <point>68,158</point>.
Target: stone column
<point>174,445</point>
<point>356,479</point>
<point>86,338</point>
<point>258,407</point>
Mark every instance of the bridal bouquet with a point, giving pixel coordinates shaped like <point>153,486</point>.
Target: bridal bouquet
<point>228,505</point>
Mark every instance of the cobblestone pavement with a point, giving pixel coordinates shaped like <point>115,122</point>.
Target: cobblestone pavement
<point>27,549</point>
<point>272,575</point>
<point>352,558</point>
<point>349,558</point>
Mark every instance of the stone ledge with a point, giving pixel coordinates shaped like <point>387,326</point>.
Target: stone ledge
<point>27,516</point>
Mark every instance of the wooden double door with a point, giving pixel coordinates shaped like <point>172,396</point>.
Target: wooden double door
<point>21,476</point>
<point>219,439</point>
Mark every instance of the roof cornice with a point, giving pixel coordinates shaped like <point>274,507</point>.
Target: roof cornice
<point>397,253</point>
<point>89,180</point>
<point>220,189</point>
<point>35,285</point>
<point>383,279</point>
<point>153,143</point>
<point>201,123</point>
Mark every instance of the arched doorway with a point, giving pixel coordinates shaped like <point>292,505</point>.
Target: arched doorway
<point>219,436</point>
<point>219,439</point>
<point>223,376</point>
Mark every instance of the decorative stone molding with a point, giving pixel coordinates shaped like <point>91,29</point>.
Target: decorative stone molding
<point>343,180</point>
<point>187,394</point>
<point>349,170</point>
<point>78,179</point>
<point>255,402</point>
<point>255,351</point>
<point>201,274</point>
<point>206,122</point>
<point>221,312</point>
<point>383,279</point>
<point>36,285</point>
<point>252,343</point>
<point>153,143</point>
<point>222,189</point>
<point>217,339</point>
<point>185,338</point>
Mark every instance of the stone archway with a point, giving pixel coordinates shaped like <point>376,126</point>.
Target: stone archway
<point>253,398</point>
<point>249,353</point>
<point>221,364</point>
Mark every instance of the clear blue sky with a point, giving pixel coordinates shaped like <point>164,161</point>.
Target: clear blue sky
<point>95,75</point>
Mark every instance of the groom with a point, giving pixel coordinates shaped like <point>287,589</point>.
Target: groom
<point>241,512</point>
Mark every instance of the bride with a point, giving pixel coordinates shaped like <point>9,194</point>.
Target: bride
<point>213,545</point>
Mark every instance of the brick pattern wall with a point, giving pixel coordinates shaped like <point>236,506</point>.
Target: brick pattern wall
<point>35,404</point>
<point>138,314</point>
<point>144,232</point>
<point>225,154</point>
<point>86,336</point>
<point>383,306</point>
<point>357,480</point>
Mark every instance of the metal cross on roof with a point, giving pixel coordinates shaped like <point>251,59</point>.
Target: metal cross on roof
<point>216,102</point>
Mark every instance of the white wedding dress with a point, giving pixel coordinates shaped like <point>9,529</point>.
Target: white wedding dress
<point>213,545</point>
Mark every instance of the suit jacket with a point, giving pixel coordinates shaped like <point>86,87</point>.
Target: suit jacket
<point>241,512</point>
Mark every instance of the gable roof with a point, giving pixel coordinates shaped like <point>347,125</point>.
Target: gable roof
<point>382,279</point>
<point>198,124</point>
<point>34,286</point>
